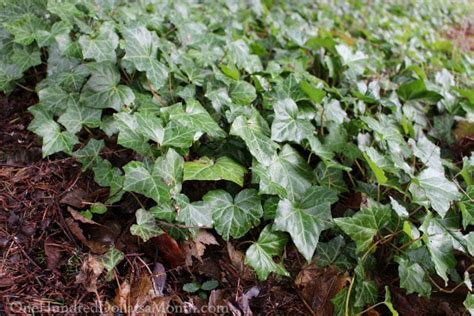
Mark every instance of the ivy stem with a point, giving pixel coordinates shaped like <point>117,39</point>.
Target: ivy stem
<point>348,297</point>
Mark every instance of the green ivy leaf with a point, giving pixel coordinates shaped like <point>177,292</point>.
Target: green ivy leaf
<point>234,217</point>
<point>146,227</point>
<point>102,46</point>
<point>242,92</point>
<point>196,214</point>
<point>103,90</point>
<point>141,48</point>
<point>365,289</point>
<point>332,253</point>
<point>195,116</point>
<point>223,168</point>
<point>413,277</point>
<point>288,124</point>
<point>416,90</point>
<point>260,254</point>
<point>170,168</point>
<point>254,131</point>
<point>78,115</point>
<point>140,180</point>
<point>365,224</point>
<point>469,303</point>
<point>129,133</point>
<point>306,218</point>
<point>432,185</point>
<point>88,155</point>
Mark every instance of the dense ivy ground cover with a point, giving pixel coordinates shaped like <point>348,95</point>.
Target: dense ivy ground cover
<point>294,105</point>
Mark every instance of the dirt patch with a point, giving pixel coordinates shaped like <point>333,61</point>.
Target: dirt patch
<point>462,36</point>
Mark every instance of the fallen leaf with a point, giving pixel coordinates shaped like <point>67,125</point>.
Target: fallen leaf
<point>79,217</point>
<point>159,278</point>
<point>90,271</point>
<point>244,300</point>
<point>74,198</point>
<point>53,252</point>
<point>168,249</point>
<point>237,259</point>
<point>195,248</point>
<point>96,247</point>
<point>319,285</point>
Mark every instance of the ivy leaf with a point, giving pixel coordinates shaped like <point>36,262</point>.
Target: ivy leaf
<point>431,184</point>
<point>365,289</point>
<point>56,99</point>
<point>102,46</point>
<point>129,133</point>
<point>111,259</point>
<point>25,28</point>
<point>290,171</point>
<point>170,168</point>
<point>260,254</point>
<point>140,180</point>
<point>332,253</point>
<point>469,303</point>
<point>77,115</point>
<point>178,136</point>
<point>151,127</point>
<point>196,214</point>
<point>428,153</point>
<point>306,218</point>
<point>103,90</point>
<point>365,224</point>
<point>26,56</point>
<point>440,245</point>
<point>413,277</point>
<point>288,125</point>
<point>88,156</point>
<point>8,74</point>
<point>54,140</point>
<point>234,217</point>
<point>254,131</point>
<point>223,168</point>
<point>467,207</point>
<point>146,226</point>
<point>141,48</point>
<point>242,92</point>
<point>416,90</point>
<point>195,116</point>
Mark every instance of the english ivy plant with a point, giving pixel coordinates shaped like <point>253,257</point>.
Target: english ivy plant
<point>293,108</point>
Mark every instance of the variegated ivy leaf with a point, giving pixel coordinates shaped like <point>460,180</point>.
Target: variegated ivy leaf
<point>146,226</point>
<point>234,217</point>
<point>239,54</point>
<point>100,47</point>
<point>306,218</point>
<point>103,90</point>
<point>260,254</point>
<point>365,224</point>
<point>364,288</point>
<point>333,252</point>
<point>178,136</point>
<point>288,124</point>
<point>255,132</point>
<point>431,185</point>
<point>223,168</point>
<point>25,28</point>
<point>8,74</point>
<point>141,180</point>
<point>141,49</point>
